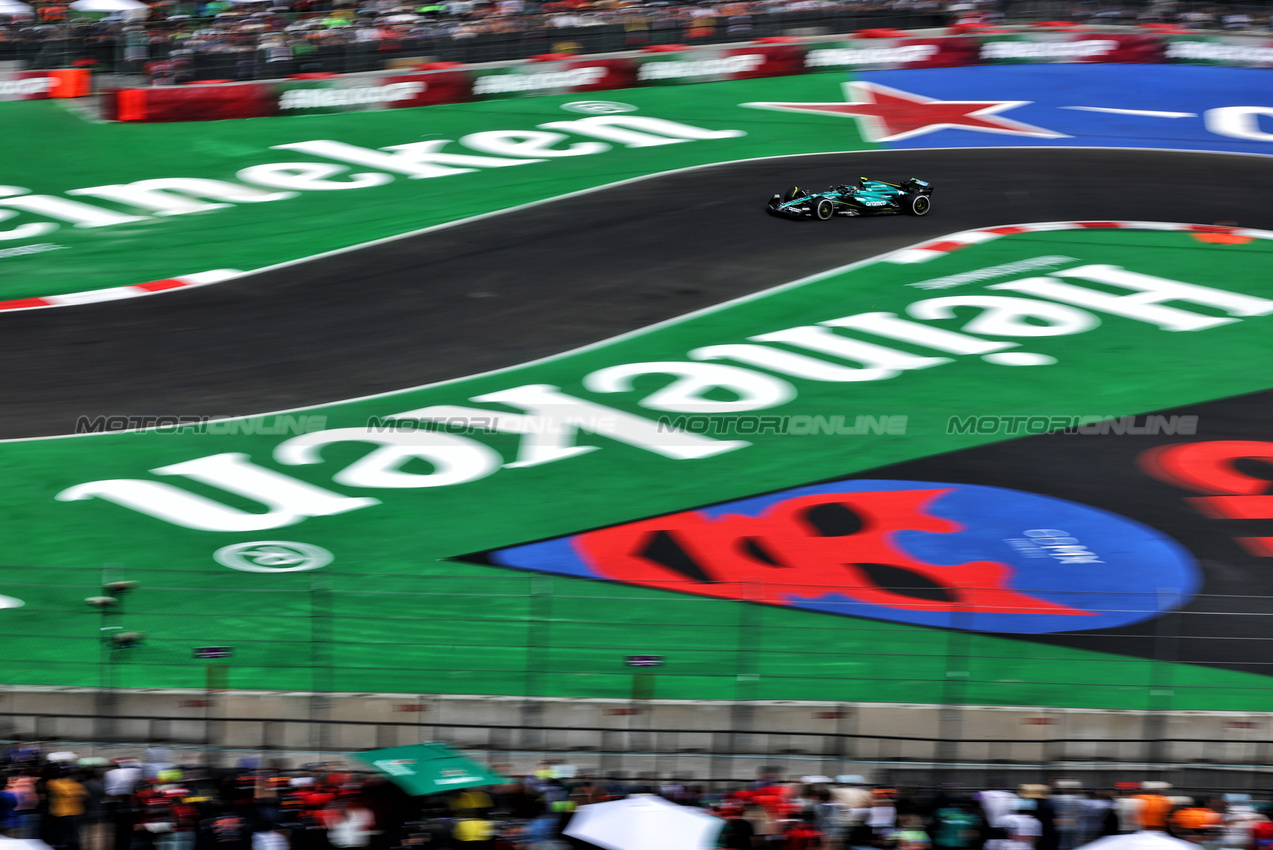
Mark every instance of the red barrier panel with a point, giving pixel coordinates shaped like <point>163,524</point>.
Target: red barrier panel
<point>557,73</point>
<point>945,52</point>
<point>621,73</point>
<point>1133,48</point>
<point>196,103</point>
<point>439,87</point>
<point>781,60</point>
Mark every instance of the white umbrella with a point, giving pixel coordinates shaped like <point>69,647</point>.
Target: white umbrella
<point>23,844</point>
<point>1147,840</point>
<point>13,7</point>
<point>645,822</point>
<point>108,5</point>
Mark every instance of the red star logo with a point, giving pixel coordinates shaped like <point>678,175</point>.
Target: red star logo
<point>886,115</point>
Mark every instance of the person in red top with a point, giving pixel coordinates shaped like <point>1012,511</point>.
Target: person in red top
<point>803,834</point>
<point>1262,834</point>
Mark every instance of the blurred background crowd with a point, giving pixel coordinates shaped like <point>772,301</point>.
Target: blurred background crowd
<point>271,39</point>
<point>260,39</point>
<point>155,803</point>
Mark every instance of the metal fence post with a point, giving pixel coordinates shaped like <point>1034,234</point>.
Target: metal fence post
<point>951,713</point>
<point>321,650</point>
<point>1161,691</point>
<point>538,637</point>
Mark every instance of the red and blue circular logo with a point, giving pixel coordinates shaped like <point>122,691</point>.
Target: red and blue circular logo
<point>955,556</point>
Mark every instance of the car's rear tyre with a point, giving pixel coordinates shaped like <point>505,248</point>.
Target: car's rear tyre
<point>918,204</point>
<point>824,209</point>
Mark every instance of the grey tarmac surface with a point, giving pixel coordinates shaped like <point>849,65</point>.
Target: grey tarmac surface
<point>515,287</point>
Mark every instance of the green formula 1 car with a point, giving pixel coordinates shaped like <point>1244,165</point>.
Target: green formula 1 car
<point>866,197</point>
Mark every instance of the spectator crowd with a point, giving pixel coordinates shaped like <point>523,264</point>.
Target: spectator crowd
<point>155,804</point>
<point>368,33</point>
<point>259,39</point>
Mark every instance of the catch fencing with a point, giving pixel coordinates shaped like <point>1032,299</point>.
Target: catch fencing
<point>622,678</point>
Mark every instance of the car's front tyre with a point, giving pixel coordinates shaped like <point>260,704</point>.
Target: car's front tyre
<point>824,209</point>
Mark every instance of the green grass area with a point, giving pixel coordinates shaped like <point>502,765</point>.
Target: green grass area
<point>393,613</point>
<point>49,149</point>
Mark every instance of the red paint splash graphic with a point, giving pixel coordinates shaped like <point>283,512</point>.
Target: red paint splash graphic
<point>805,548</point>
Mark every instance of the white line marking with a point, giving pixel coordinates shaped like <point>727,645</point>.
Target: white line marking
<point>1151,113</point>
<point>649,328</point>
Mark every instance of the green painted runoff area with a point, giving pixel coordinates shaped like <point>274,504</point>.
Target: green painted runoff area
<point>50,149</point>
<point>389,614</point>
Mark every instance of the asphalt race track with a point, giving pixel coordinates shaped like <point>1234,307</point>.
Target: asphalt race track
<point>514,287</point>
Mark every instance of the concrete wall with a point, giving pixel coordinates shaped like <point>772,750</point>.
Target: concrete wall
<point>700,739</point>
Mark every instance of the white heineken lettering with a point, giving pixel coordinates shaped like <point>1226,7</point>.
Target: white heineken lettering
<point>876,361</point>
<point>1003,315</point>
<point>28,86</point>
<point>689,394</point>
<point>1047,49</point>
<point>505,83</point>
<point>455,459</point>
<point>81,215</point>
<point>528,143</point>
<point>901,55</point>
<point>724,66</point>
<point>1239,122</point>
<point>309,176</point>
<point>991,272</point>
<point>553,419</point>
<point>25,231</point>
<point>355,96</point>
<point>174,195</point>
<point>418,160</point>
<point>288,499</point>
<point>636,131</point>
<point>783,362</point>
<point>1209,51</point>
<point>889,325</point>
<point>1146,304</point>
<point>550,422</point>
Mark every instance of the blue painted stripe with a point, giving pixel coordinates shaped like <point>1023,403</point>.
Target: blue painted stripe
<point>1050,89</point>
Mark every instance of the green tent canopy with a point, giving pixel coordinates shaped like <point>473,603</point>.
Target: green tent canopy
<point>428,768</point>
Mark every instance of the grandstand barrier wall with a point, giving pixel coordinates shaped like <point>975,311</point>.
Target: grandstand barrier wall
<point>706,740</point>
<point>867,51</point>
